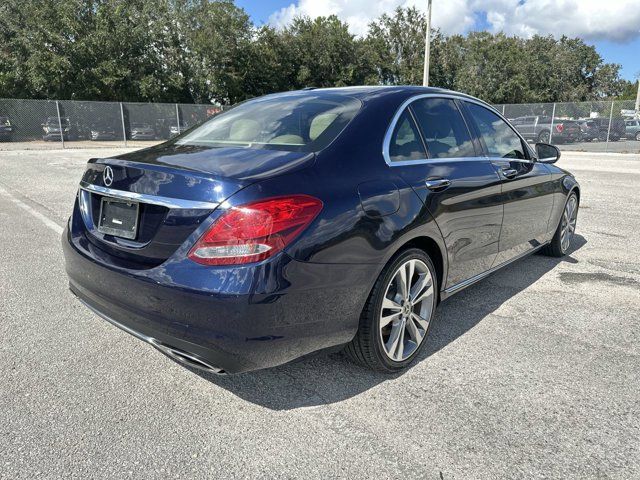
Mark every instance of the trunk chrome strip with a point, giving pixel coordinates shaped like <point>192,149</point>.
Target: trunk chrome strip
<point>152,199</point>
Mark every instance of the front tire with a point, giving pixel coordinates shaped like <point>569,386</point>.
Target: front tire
<point>561,241</point>
<point>397,317</point>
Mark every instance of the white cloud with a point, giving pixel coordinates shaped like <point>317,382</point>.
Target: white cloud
<point>617,20</point>
<point>452,16</point>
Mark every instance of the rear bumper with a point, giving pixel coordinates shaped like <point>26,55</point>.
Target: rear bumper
<point>234,320</point>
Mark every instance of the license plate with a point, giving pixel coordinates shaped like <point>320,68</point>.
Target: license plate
<point>118,217</point>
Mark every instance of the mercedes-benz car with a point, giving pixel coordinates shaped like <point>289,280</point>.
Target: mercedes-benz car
<point>312,220</point>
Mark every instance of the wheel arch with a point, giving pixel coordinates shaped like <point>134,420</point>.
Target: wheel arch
<point>576,189</point>
<point>431,247</point>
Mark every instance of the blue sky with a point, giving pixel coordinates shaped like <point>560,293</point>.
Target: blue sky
<point>614,27</point>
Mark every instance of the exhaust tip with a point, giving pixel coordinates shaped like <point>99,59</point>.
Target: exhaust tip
<point>185,358</point>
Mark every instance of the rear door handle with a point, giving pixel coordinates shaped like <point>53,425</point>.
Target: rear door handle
<point>509,172</point>
<point>437,184</point>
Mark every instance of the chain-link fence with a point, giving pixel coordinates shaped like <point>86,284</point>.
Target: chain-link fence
<point>33,124</point>
<point>612,126</point>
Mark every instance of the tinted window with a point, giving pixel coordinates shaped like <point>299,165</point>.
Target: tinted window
<point>405,142</point>
<point>443,128</point>
<point>496,134</point>
<point>302,122</point>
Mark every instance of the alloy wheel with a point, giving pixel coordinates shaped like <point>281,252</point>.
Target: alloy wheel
<point>406,311</point>
<point>569,218</point>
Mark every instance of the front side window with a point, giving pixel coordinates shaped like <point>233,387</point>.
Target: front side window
<point>499,138</point>
<point>406,143</point>
<point>443,128</point>
<point>304,122</point>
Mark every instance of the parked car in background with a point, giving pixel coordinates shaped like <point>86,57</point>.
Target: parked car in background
<point>174,130</point>
<point>142,131</point>
<point>614,127</point>
<point>540,128</point>
<point>314,219</point>
<point>589,129</point>
<point>6,129</point>
<point>104,131</point>
<point>51,128</point>
<point>632,129</point>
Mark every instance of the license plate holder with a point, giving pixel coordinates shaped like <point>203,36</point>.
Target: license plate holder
<point>119,217</point>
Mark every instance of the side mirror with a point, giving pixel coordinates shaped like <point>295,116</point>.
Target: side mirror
<point>547,153</point>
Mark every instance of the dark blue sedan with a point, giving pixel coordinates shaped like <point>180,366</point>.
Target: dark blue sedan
<point>308,220</point>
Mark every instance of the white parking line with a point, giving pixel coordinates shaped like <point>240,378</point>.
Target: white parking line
<point>47,221</point>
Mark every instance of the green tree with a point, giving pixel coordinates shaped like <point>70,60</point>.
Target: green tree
<point>395,45</point>
<point>209,51</point>
<point>324,53</point>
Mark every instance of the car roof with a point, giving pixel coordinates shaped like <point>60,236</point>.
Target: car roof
<point>367,93</point>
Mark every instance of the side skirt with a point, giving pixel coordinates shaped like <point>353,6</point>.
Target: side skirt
<point>470,281</point>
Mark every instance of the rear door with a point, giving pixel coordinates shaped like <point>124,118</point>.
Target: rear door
<point>527,190</point>
<point>435,153</point>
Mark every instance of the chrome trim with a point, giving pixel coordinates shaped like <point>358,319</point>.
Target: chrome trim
<point>152,199</point>
<point>179,356</point>
<point>470,281</point>
<point>509,173</point>
<point>463,98</point>
<point>437,184</point>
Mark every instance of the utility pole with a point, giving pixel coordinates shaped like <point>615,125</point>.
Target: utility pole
<point>427,47</point>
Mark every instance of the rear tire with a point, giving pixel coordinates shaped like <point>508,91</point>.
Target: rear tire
<point>561,241</point>
<point>390,337</point>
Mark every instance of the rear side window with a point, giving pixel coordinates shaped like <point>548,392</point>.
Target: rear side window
<point>443,128</point>
<point>498,137</point>
<point>406,143</point>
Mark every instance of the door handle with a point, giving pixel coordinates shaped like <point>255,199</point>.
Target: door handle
<point>437,184</point>
<point>509,172</point>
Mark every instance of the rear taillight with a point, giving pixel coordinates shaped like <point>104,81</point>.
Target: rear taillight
<point>255,231</point>
<point>559,127</point>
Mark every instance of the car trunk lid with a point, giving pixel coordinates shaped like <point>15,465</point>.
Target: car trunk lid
<point>169,193</point>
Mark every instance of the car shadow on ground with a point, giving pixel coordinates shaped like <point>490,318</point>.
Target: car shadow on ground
<point>325,379</point>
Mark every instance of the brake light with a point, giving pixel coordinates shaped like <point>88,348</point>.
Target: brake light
<point>559,127</point>
<point>255,231</point>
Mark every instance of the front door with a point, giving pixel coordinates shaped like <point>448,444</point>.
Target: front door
<point>435,154</point>
<point>527,190</point>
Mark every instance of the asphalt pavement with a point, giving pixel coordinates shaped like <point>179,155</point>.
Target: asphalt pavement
<point>532,373</point>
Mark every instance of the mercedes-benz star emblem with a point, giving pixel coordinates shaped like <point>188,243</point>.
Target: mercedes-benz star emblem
<point>107,176</point>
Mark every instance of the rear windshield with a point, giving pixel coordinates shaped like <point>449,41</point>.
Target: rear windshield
<point>304,123</point>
